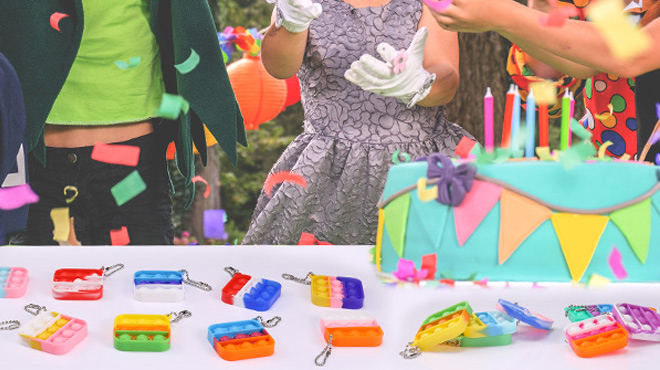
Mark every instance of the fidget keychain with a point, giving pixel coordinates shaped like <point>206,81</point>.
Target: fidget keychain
<point>641,323</point>
<point>13,282</point>
<point>52,332</point>
<point>250,292</point>
<point>525,315</point>
<point>581,312</point>
<point>332,291</point>
<point>163,286</point>
<point>355,329</point>
<point>596,336</point>
<point>81,284</point>
<point>145,333</point>
<point>240,340</point>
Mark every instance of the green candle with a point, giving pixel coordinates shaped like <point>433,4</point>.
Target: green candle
<point>565,120</point>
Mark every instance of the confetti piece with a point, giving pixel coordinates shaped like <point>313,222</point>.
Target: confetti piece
<point>120,236</point>
<point>576,154</point>
<point>557,14</point>
<point>544,92</point>
<point>171,106</point>
<point>128,188</point>
<point>624,157</point>
<point>424,194</point>
<point>70,188</point>
<point>624,39</point>
<point>482,283</point>
<point>657,110</point>
<point>543,152</point>
<point>603,148</point>
<point>596,280</point>
<point>132,63</point>
<point>656,136</point>
<point>605,116</point>
<point>464,147</point>
<point>657,159</point>
<point>283,176</point>
<point>207,192</point>
<point>61,223</point>
<point>616,264</point>
<point>15,197</point>
<point>189,64</point>
<point>579,130</point>
<point>126,155</point>
<point>438,6</point>
<point>214,224</point>
<point>395,156</point>
<point>55,19</point>
<point>72,240</point>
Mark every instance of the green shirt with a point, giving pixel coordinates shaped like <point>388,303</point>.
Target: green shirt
<point>104,86</point>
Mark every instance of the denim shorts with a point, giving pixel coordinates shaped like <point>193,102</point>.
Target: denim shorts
<point>147,217</point>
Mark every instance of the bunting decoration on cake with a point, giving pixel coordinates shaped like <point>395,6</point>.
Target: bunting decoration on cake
<point>396,219</point>
<point>578,236</point>
<point>476,205</point>
<point>635,224</point>
<point>431,217</point>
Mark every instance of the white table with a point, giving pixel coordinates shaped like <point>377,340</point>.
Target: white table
<point>399,310</point>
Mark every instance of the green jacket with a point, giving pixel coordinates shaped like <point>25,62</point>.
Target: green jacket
<point>43,57</point>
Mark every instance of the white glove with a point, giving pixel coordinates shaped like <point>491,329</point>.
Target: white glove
<point>401,76</point>
<point>295,15</point>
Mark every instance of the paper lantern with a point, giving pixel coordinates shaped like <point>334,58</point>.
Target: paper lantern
<point>260,96</point>
<point>292,91</point>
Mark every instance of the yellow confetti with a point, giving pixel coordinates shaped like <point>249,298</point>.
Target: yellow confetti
<point>543,152</point>
<point>424,194</point>
<point>603,148</point>
<point>605,116</point>
<point>60,217</point>
<point>624,39</point>
<point>596,280</point>
<point>544,92</point>
<point>625,157</point>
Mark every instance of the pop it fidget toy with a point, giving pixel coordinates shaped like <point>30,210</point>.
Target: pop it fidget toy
<point>443,326</point>
<point>525,315</point>
<point>145,333</point>
<point>241,340</point>
<point>81,284</point>
<point>490,324</point>
<point>333,291</point>
<point>13,282</point>
<point>642,323</point>
<point>354,329</point>
<point>163,286</point>
<point>52,332</point>
<point>596,336</point>
<point>250,292</point>
<point>579,313</point>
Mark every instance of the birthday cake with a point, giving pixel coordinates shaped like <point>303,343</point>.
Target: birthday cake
<point>526,220</point>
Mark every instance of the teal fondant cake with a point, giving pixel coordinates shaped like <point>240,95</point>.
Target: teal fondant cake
<point>521,220</point>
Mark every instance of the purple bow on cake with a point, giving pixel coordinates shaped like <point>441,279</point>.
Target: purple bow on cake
<point>453,182</point>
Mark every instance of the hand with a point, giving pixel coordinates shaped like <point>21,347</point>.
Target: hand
<point>401,76</point>
<point>467,15</point>
<point>295,15</point>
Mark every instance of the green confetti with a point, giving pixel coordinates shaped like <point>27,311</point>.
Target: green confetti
<point>128,188</point>
<point>190,63</point>
<point>132,63</point>
<point>171,106</point>
<point>395,156</point>
<point>579,130</point>
<point>576,154</point>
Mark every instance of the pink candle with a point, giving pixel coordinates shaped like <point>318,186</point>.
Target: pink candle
<point>489,137</point>
<point>571,116</point>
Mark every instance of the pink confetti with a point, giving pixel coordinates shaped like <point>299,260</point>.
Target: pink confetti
<point>657,110</point>
<point>126,155</point>
<point>16,197</point>
<point>557,15</point>
<point>283,176</point>
<point>616,264</point>
<point>55,19</point>
<point>207,192</point>
<point>438,6</point>
<point>120,237</point>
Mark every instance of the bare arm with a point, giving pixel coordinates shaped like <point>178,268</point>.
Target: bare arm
<point>282,52</point>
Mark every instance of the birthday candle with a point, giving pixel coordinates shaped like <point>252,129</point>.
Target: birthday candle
<point>570,118</point>
<point>515,121</point>
<point>565,120</point>
<point>506,125</point>
<point>531,125</point>
<point>543,125</point>
<point>488,120</point>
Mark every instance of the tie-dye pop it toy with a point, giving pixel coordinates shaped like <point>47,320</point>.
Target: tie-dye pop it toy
<point>249,291</point>
<point>333,291</point>
<point>145,333</point>
<point>52,332</point>
<point>525,315</point>
<point>163,285</point>
<point>240,340</point>
<point>579,313</point>
<point>596,336</point>
<point>640,322</point>
<point>13,282</point>
<point>81,284</point>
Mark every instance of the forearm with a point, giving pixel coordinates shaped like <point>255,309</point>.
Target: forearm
<point>564,66</point>
<point>444,88</point>
<point>282,52</point>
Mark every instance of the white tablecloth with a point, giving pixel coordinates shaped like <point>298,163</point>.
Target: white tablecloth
<point>399,310</point>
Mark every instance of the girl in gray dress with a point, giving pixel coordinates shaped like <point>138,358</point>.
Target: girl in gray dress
<point>352,129</point>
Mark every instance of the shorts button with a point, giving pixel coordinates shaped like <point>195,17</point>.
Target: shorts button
<point>72,158</point>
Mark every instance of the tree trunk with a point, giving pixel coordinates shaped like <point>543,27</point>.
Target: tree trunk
<point>194,220</point>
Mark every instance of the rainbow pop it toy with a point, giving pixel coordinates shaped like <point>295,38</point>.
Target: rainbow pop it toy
<point>142,333</point>
<point>240,340</point>
<point>640,322</point>
<point>13,282</point>
<point>596,336</point>
<point>443,326</point>
<point>525,315</point>
<point>250,292</point>
<point>355,329</point>
<point>53,332</point>
<point>579,313</point>
<point>158,286</point>
<point>337,292</point>
<point>81,284</point>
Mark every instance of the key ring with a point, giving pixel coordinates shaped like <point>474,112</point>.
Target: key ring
<point>10,325</point>
<point>34,309</point>
<point>107,271</point>
<point>231,270</point>
<point>178,316</point>
<point>321,359</point>
<point>268,323</point>
<point>306,280</point>
<point>410,351</point>
<point>197,284</point>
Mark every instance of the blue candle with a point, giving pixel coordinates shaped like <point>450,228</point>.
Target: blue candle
<point>531,125</point>
<point>515,122</point>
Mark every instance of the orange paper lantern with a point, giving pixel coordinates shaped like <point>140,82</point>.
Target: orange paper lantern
<point>292,91</point>
<point>260,96</point>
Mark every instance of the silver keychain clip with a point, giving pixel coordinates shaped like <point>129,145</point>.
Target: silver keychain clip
<point>34,309</point>
<point>410,351</point>
<point>231,270</point>
<point>268,323</point>
<point>306,280</point>
<point>107,271</point>
<point>321,359</point>
<point>197,284</point>
<point>10,325</point>
<point>178,316</point>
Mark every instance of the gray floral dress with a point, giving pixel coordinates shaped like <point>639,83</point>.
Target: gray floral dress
<point>349,134</point>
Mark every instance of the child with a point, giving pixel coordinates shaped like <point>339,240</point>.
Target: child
<point>68,56</point>
<point>350,134</point>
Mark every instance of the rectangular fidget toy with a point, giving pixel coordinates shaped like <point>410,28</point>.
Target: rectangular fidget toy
<point>158,286</point>
<point>251,292</point>
<point>142,333</point>
<point>443,326</point>
<point>53,332</point>
<point>489,341</point>
<point>490,324</point>
<point>596,336</point>
<point>525,315</point>
<point>354,329</point>
<point>641,322</point>
<point>579,313</point>
<point>13,282</point>
<point>240,340</point>
<point>337,292</point>
<point>78,284</point>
